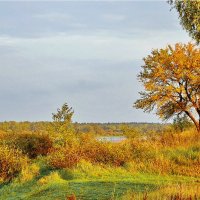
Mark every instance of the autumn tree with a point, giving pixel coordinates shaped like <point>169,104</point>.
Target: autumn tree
<point>171,78</point>
<point>189,14</point>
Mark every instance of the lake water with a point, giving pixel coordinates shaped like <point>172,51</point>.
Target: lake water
<point>111,138</point>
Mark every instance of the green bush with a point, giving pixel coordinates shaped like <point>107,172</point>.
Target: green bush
<point>12,162</point>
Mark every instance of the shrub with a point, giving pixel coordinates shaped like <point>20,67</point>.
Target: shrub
<point>64,157</point>
<point>12,162</point>
<point>174,139</point>
<point>29,173</point>
<point>107,153</point>
<point>157,165</point>
<point>92,151</point>
<point>34,144</point>
<point>2,134</point>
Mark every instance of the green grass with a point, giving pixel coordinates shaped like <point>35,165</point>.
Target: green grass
<point>87,182</point>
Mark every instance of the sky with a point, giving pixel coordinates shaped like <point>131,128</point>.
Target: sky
<point>85,53</point>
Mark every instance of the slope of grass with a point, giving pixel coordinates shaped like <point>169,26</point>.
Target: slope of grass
<point>87,181</point>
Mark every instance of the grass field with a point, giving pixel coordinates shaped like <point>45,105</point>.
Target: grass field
<point>96,183</point>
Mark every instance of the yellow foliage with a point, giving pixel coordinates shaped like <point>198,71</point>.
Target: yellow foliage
<point>51,178</point>
<point>12,162</point>
<point>29,173</point>
<point>171,78</point>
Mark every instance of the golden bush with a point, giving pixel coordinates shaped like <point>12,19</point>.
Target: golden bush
<point>12,162</point>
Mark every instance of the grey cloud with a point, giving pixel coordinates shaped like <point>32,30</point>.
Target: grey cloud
<point>85,53</point>
<point>54,16</point>
<point>83,17</point>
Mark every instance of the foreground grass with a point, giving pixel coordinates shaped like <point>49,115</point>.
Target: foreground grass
<point>84,189</point>
<point>167,192</point>
<point>87,181</point>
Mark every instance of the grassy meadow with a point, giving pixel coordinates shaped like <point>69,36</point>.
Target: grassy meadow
<point>37,162</point>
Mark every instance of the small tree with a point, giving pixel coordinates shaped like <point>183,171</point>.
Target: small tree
<point>189,14</point>
<point>62,121</point>
<point>171,78</point>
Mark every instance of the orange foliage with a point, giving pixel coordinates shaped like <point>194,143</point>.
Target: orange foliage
<point>171,78</point>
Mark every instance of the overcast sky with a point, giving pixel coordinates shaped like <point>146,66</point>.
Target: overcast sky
<point>87,54</point>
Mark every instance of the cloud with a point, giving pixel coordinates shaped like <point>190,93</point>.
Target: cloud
<point>53,16</point>
<point>114,17</point>
<point>85,53</point>
<point>92,46</point>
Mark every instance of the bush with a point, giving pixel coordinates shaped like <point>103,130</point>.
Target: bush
<point>107,153</point>
<point>34,144</point>
<point>92,151</point>
<point>12,162</point>
<point>29,173</point>
<point>64,157</point>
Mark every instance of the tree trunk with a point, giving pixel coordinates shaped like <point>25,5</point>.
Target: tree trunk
<point>196,122</point>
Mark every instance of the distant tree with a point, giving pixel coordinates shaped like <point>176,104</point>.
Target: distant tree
<point>171,78</point>
<point>62,120</point>
<point>189,14</point>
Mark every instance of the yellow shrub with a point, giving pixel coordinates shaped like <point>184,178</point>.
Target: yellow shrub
<point>64,157</point>
<point>12,162</point>
<point>107,153</point>
<point>29,173</point>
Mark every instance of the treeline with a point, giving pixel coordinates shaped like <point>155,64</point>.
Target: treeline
<point>93,128</point>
